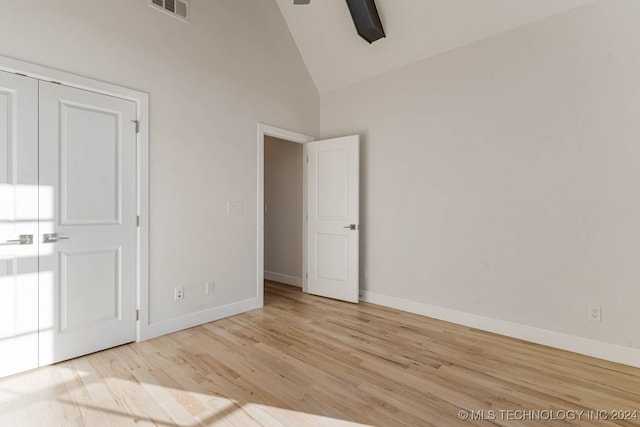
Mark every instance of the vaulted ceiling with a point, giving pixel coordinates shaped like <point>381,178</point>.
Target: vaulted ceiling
<point>416,29</point>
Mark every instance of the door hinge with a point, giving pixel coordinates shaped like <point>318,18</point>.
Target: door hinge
<point>137,123</point>
<point>137,314</point>
<point>307,159</point>
<point>307,275</point>
<point>138,221</point>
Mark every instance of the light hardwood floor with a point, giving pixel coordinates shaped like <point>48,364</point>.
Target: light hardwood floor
<point>304,360</point>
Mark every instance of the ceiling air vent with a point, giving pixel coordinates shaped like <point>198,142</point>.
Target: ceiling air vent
<point>176,8</point>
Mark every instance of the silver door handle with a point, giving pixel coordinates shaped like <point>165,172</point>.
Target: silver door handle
<point>351,227</point>
<point>52,238</point>
<point>23,239</point>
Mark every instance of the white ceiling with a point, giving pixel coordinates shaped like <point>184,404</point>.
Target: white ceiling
<point>416,29</point>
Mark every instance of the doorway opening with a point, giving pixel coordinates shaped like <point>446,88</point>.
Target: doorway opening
<point>331,214</point>
<point>287,246</point>
<point>283,210</point>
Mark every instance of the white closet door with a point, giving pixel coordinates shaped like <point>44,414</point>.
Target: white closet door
<point>18,217</point>
<point>87,222</point>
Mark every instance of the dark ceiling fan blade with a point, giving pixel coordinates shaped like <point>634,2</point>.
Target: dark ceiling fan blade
<point>366,19</point>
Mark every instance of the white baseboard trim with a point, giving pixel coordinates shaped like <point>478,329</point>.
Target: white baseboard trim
<point>602,350</point>
<point>190,320</point>
<point>283,278</point>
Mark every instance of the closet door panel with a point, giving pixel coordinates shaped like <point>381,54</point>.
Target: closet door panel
<point>18,223</point>
<point>88,222</point>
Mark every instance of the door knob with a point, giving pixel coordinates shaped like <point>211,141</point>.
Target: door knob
<point>23,239</point>
<point>52,238</point>
<point>351,227</point>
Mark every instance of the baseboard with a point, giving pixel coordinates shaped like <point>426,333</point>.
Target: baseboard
<point>602,350</point>
<point>190,320</point>
<point>283,278</point>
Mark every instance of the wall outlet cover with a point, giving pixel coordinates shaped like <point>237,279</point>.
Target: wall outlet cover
<point>595,313</point>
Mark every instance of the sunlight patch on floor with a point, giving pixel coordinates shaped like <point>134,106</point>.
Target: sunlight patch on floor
<point>77,397</point>
<point>271,416</point>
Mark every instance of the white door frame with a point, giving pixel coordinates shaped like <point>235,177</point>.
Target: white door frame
<point>142,103</point>
<point>267,130</point>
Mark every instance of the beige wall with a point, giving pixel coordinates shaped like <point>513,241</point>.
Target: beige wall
<point>283,216</point>
<point>209,82</point>
<point>503,178</point>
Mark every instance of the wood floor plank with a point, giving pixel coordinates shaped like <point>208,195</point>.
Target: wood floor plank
<point>309,361</point>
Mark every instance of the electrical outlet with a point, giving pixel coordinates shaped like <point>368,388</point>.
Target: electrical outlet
<point>595,313</point>
<point>179,294</point>
<point>209,287</point>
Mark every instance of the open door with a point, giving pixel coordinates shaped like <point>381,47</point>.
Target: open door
<point>333,209</point>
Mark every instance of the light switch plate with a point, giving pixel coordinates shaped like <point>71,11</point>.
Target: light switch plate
<point>234,208</point>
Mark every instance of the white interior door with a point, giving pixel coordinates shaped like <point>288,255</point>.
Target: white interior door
<point>333,208</point>
<point>88,211</point>
<point>18,217</point>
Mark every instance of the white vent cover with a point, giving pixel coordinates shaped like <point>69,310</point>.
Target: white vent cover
<point>176,8</point>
